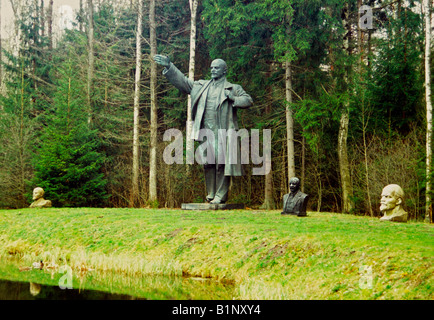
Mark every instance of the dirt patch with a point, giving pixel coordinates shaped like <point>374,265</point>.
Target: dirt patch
<point>174,233</point>
<point>255,249</point>
<point>277,251</point>
<point>185,245</point>
<point>190,242</point>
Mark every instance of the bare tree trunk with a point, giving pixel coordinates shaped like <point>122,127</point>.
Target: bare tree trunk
<point>135,182</point>
<point>303,163</point>
<point>428,209</point>
<point>42,23</point>
<point>360,37</point>
<point>289,121</point>
<point>91,61</point>
<point>189,141</point>
<point>16,7</point>
<point>365,155</point>
<point>21,145</point>
<point>344,166</point>
<point>81,16</point>
<point>50,24</point>
<point>35,40</point>
<point>1,68</point>
<point>154,124</point>
<point>364,113</point>
<point>288,114</point>
<point>269,203</point>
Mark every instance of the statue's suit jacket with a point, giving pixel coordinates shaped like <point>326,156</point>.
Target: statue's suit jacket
<point>297,205</point>
<point>226,112</point>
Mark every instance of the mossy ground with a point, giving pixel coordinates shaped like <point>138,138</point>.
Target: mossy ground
<point>263,254</point>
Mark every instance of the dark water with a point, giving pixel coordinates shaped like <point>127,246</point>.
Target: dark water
<point>15,290</point>
<point>35,284</point>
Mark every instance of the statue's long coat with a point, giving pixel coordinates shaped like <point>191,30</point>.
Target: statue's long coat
<point>226,111</point>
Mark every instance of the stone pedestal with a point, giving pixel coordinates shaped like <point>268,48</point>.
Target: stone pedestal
<point>209,206</point>
<point>294,214</point>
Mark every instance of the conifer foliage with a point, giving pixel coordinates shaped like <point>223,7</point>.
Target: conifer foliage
<point>69,164</point>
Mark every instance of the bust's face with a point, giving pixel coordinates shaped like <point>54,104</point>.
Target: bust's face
<point>218,69</point>
<point>294,185</point>
<point>37,193</point>
<point>388,200</point>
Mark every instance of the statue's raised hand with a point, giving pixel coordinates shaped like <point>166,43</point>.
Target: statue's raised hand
<point>162,60</point>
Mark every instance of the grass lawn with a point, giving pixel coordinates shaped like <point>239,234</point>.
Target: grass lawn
<point>263,254</point>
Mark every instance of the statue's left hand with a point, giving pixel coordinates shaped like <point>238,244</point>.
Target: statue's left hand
<point>230,94</point>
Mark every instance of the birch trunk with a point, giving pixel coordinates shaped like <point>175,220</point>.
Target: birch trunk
<point>91,61</point>
<point>1,70</point>
<point>360,36</point>
<point>50,25</point>
<point>16,7</point>
<point>289,121</point>
<point>303,162</point>
<point>344,166</point>
<point>135,182</point>
<point>365,119</point>
<point>42,17</point>
<point>81,15</point>
<point>428,208</point>
<point>153,125</point>
<point>189,141</point>
<point>269,203</point>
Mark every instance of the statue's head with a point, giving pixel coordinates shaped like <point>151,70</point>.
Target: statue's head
<point>38,193</point>
<point>294,184</point>
<point>218,69</point>
<point>392,196</point>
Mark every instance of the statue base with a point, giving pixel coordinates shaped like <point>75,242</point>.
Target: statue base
<point>210,206</point>
<point>293,214</point>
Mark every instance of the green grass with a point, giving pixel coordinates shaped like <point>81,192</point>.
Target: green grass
<point>263,254</point>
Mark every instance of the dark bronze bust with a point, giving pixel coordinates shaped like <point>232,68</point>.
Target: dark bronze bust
<point>295,203</point>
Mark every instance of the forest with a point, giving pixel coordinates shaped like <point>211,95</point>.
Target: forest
<point>343,85</point>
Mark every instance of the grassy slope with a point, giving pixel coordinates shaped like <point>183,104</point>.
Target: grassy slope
<point>266,255</point>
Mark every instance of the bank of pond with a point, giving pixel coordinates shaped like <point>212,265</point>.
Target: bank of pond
<point>22,282</point>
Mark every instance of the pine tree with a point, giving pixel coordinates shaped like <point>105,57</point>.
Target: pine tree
<point>69,165</point>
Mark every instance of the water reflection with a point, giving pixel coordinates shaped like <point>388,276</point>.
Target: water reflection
<point>31,284</point>
<point>35,289</point>
<point>15,290</point>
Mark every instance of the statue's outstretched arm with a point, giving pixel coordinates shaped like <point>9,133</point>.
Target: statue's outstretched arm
<point>175,77</point>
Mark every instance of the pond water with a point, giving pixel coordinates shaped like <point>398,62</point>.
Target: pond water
<point>16,290</point>
<point>25,283</point>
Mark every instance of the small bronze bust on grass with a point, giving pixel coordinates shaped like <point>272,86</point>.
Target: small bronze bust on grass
<point>295,203</point>
<point>38,199</point>
<point>391,202</point>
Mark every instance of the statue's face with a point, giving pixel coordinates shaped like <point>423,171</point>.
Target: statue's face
<point>37,193</point>
<point>218,69</point>
<point>294,185</point>
<point>388,200</point>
